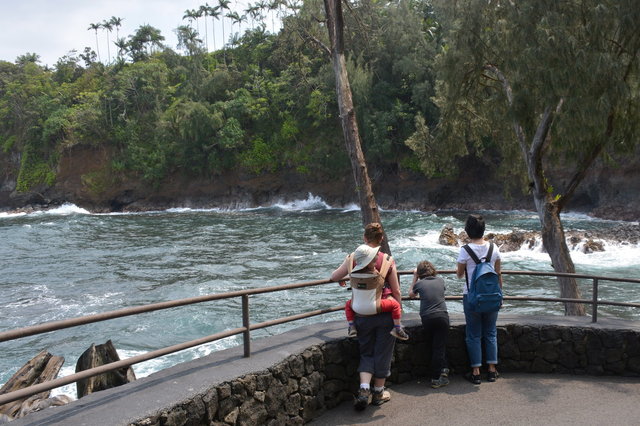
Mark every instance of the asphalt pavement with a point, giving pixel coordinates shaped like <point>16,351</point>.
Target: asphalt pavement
<point>514,399</point>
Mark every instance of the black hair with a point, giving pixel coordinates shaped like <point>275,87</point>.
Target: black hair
<point>474,226</point>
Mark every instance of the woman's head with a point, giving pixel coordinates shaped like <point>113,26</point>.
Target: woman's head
<point>425,269</point>
<point>474,226</point>
<point>373,233</point>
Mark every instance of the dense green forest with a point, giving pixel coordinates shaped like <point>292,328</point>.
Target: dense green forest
<point>265,101</point>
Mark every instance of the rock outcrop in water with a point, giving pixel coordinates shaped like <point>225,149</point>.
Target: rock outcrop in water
<point>96,356</point>
<point>42,368</point>
<point>585,241</point>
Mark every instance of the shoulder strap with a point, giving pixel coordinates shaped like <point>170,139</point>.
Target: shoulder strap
<point>489,253</point>
<point>472,254</point>
<point>386,265</point>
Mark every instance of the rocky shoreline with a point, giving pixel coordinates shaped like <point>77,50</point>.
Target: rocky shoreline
<point>83,178</point>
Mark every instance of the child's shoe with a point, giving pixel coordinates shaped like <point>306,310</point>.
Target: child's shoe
<point>439,382</point>
<point>352,332</point>
<point>399,333</point>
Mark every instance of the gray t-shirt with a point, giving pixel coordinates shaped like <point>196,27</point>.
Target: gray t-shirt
<point>431,292</point>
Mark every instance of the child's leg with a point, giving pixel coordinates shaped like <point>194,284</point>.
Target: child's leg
<point>349,312</point>
<point>351,317</point>
<point>391,305</point>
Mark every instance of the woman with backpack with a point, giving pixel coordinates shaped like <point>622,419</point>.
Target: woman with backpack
<point>480,323</point>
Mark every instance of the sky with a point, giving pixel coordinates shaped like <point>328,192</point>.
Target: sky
<point>52,28</point>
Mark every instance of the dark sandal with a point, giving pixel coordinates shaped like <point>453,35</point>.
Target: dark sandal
<point>473,378</point>
<point>492,376</point>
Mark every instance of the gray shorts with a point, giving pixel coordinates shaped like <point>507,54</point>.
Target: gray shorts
<point>376,344</point>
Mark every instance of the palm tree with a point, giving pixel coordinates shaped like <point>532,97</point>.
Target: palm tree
<point>253,12</point>
<point>272,6</point>
<point>236,19</point>
<point>223,5</point>
<point>214,12</point>
<point>204,11</point>
<point>96,27</point>
<point>116,22</point>
<point>107,26</point>
<point>192,15</point>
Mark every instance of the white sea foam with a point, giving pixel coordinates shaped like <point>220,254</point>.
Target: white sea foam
<point>192,210</point>
<point>312,202</point>
<point>10,215</point>
<point>353,207</point>
<point>64,210</point>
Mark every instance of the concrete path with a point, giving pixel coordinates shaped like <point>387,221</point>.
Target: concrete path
<point>514,399</point>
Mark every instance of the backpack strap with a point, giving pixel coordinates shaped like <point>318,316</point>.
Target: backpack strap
<point>387,261</point>
<point>473,255</point>
<point>489,253</point>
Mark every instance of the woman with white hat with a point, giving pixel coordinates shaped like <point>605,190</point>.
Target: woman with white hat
<point>373,330</point>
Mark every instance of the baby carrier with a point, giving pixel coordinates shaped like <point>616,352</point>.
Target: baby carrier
<point>367,288</point>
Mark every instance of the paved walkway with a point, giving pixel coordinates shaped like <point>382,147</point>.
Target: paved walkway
<point>514,399</point>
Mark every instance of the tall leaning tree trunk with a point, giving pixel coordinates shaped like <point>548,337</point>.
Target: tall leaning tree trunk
<point>555,243</point>
<point>368,205</point>
<point>548,208</point>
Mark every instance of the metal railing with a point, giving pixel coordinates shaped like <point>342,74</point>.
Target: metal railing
<point>247,327</point>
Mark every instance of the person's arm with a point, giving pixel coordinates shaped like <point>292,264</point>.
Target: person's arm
<point>341,273</point>
<point>413,283</point>
<point>496,266</point>
<point>394,283</point>
<point>461,269</point>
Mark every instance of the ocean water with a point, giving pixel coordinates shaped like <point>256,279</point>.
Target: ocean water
<point>68,262</point>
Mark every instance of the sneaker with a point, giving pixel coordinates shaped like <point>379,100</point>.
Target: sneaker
<point>444,372</point>
<point>352,332</point>
<point>381,397</point>
<point>439,382</point>
<point>492,376</point>
<point>362,400</point>
<point>399,333</point>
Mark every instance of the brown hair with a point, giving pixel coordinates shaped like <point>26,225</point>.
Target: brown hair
<point>373,233</point>
<point>425,269</point>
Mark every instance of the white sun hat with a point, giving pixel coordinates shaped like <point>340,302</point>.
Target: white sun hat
<point>363,256</point>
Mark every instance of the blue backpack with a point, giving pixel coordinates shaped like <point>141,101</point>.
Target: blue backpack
<point>484,293</point>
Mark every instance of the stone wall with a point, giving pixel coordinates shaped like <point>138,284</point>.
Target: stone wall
<point>304,385</point>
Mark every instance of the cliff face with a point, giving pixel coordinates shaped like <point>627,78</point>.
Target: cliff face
<point>85,178</point>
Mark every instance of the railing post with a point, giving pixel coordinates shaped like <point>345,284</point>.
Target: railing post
<point>594,306</point>
<point>246,335</point>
